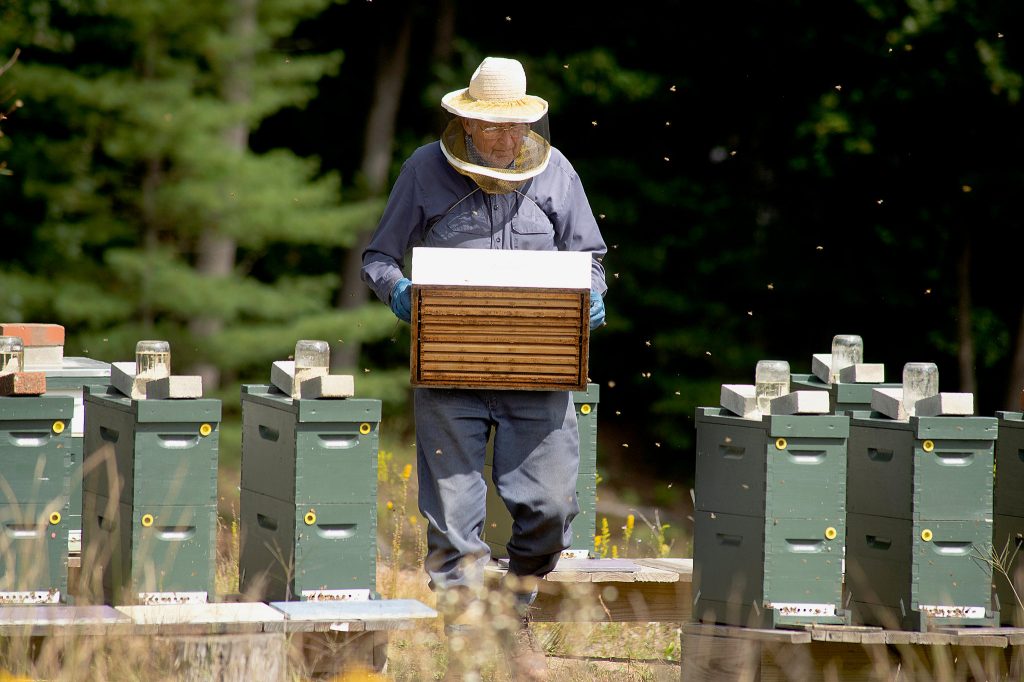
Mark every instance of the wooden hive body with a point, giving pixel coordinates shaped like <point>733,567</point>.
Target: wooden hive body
<point>500,337</point>
<point>500,319</point>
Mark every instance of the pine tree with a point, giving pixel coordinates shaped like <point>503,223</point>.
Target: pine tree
<point>155,217</point>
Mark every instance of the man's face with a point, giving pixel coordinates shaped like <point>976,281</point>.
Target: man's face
<point>498,143</point>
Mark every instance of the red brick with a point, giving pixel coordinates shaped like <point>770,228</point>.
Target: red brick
<point>23,383</point>
<point>34,334</point>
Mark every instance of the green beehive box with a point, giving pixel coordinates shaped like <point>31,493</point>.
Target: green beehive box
<point>33,554</point>
<point>498,526</point>
<point>1009,493</point>
<point>843,398</point>
<point>763,572</point>
<point>927,467</point>
<point>35,449</point>
<point>150,452</point>
<point>309,451</point>
<point>147,553</point>
<point>70,380</point>
<point>918,574</point>
<point>313,551</point>
<point>1008,546</point>
<point>779,466</point>
<point>35,456</point>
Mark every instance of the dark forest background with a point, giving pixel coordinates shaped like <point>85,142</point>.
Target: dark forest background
<point>766,174</point>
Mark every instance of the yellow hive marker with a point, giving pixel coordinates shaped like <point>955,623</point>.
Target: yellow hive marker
<point>310,517</point>
<point>54,518</point>
<point>831,533</point>
<point>926,535</point>
<point>58,427</point>
<point>780,444</point>
<point>928,446</point>
<point>365,428</point>
<point>585,409</point>
<point>147,520</point>
<point>205,430</point>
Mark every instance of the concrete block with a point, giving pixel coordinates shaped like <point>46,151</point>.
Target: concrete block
<point>889,401</point>
<point>285,378</point>
<point>959,404</point>
<point>863,373</point>
<point>175,388</point>
<point>328,386</point>
<point>740,399</point>
<point>821,366</point>
<point>122,377</point>
<point>34,334</point>
<point>38,358</point>
<point>801,402</point>
<point>23,383</point>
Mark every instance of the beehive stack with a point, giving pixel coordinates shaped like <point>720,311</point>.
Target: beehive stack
<point>35,457</point>
<point>308,496</point>
<point>769,518</point>
<point>149,512</point>
<point>919,501</point>
<point>1008,520</point>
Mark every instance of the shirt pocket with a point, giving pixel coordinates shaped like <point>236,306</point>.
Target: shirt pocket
<point>532,231</point>
<point>468,228</point>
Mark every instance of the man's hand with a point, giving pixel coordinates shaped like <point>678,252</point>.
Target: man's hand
<point>596,310</point>
<point>401,300</point>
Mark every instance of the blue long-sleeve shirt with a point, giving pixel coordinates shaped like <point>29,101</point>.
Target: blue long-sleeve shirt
<point>432,204</point>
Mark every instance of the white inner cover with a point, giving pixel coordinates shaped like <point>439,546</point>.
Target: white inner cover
<point>501,268</point>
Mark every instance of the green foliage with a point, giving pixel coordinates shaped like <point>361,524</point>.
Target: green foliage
<point>765,177</point>
<point>132,163</point>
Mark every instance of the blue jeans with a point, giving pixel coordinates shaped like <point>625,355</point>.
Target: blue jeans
<point>536,464</point>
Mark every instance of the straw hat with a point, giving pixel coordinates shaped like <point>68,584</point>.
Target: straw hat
<point>496,92</point>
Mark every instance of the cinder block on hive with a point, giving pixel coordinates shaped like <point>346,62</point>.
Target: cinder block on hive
<point>801,402</point>
<point>23,383</point>
<point>740,399</point>
<point>889,401</point>
<point>44,357</point>
<point>959,404</point>
<point>175,388</point>
<point>34,334</point>
<point>821,366</point>
<point>863,373</point>
<point>328,386</point>
<point>122,377</point>
<point>289,381</point>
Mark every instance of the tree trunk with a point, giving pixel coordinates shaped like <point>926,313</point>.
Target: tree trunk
<point>1015,387</point>
<point>965,331</point>
<point>392,65</point>
<point>217,252</point>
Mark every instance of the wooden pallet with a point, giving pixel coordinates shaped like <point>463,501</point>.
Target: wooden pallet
<point>230,642</point>
<point>612,590</point>
<point>500,337</point>
<point>725,653</point>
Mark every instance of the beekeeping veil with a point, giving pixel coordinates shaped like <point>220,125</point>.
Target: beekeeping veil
<point>496,134</point>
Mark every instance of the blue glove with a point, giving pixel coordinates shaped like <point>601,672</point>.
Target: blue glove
<point>401,300</point>
<point>596,310</point>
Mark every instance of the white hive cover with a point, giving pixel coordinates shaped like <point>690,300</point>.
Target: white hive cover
<point>501,268</point>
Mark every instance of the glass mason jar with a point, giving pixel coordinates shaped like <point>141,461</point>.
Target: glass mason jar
<point>847,350</point>
<point>12,354</point>
<point>153,359</point>
<point>920,381</point>
<point>771,380</point>
<point>311,354</point>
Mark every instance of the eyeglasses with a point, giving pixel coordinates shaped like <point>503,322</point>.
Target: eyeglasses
<point>493,132</point>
